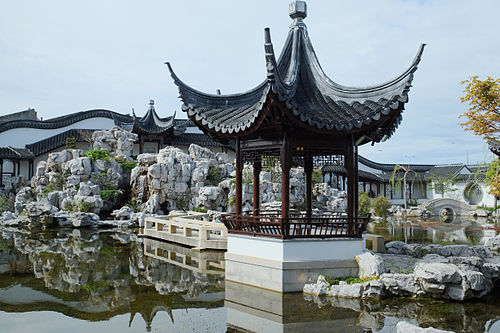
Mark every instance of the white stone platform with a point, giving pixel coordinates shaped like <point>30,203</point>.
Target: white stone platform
<point>286,265</point>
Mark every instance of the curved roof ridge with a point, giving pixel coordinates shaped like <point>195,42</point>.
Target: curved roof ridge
<point>310,96</point>
<point>391,166</point>
<point>66,120</point>
<point>180,84</point>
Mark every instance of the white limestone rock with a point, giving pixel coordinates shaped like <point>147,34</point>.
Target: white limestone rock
<point>23,196</point>
<point>345,290</point>
<point>433,277</point>
<point>319,288</point>
<point>124,213</point>
<point>395,247</point>
<point>406,327</point>
<point>147,159</point>
<point>399,284</point>
<point>373,289</point>
<point>117,141</point>
<point>198,153</point>
<point>370,264</point>
<point>81,219</point>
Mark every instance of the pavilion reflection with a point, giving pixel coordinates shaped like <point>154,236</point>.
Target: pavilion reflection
<point>251,309</point>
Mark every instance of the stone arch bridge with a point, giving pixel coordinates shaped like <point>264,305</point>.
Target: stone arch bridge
<point>450,206</point>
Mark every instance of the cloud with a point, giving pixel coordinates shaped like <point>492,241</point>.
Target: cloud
<point>65,56</point>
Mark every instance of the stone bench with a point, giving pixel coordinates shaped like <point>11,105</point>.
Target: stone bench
<point>377,242</point>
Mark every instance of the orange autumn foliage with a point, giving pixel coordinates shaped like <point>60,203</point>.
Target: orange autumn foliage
<point>483,118</point>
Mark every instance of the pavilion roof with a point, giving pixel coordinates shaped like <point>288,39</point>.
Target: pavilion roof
<point>150,123</point>
<point>310,96</point>
<point>494,147</point>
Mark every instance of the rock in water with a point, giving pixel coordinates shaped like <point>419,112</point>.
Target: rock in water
<point>370,264</point>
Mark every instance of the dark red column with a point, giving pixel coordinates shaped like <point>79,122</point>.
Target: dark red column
<point>351,182</point>
<point>239,178</point>
<point>257,166</point>
<point>285,177</point>
<point>308,168</point>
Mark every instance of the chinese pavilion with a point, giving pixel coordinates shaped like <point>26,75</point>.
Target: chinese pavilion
<point>300,117</point>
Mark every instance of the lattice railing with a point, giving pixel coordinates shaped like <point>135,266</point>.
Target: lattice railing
<point>296,226</point>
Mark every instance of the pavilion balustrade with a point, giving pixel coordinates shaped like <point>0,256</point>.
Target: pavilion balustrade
<point>296,225</point>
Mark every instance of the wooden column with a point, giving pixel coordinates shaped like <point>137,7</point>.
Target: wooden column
<point>141,144</point>
<point>308,168</point>
<point>351,182</point>
<point>286,161</point>
<point>13,167</point>
<point>1,172</point>
<point>356,187</point>
<point>239,178</point>
<point>257,166</point>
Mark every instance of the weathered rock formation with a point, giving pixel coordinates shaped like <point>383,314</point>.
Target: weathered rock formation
<point>450,272</point>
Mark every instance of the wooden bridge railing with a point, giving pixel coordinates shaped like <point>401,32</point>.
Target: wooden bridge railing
<point>296,226</point>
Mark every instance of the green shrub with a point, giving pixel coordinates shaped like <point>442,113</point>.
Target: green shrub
<point>4,203</point>
<point>412,203</point>
<point>84,207</point>
<point>108,195</point>
<point>380,205</point>
<point>47,190</point>
<point>200,209</point>
<point>317,177</point>
<point>127,166</point>
<point>364,203</point>
<point>97,154</point>
<point>134,204</point>
<point>70,143</point>
<point>182,203</point>
<point>214,176</point>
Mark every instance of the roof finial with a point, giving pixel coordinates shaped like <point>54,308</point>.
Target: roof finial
<point>298,10</point>
<point>151,102</point>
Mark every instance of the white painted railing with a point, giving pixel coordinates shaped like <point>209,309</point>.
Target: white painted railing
<point>188,229</point>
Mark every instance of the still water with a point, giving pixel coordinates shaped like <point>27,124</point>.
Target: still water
<point>112,281</point>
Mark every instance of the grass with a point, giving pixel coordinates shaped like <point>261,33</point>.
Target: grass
<point>350,280</point>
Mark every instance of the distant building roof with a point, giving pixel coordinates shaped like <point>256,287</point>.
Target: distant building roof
<point>152,123</point>
<point>29,114</point>
<point>15,153</point>
<point>59,140</point>
<point>66,120</point>
<point>390,167</point>
<point>185,139</point>
<point>449,169</point>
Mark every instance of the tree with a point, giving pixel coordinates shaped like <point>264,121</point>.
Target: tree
<point>394,183</point>
<point>442,183</point>
<point>483,118</point>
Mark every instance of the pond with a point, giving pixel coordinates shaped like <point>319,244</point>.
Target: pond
<point>112,281</point>
<point>434,231</point>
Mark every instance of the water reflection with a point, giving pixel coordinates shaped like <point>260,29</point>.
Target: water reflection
<point>257,310</point>
<point>95,276</point>
<point>110,280</point>
<point>460,231</point>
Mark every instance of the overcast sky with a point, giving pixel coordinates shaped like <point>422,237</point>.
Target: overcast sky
<point>64,56</point>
